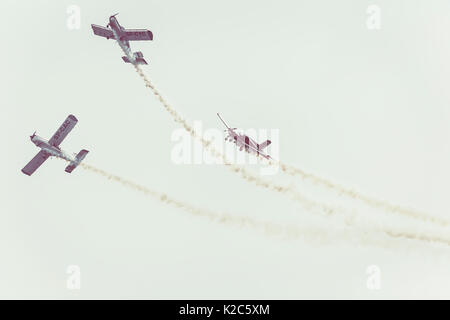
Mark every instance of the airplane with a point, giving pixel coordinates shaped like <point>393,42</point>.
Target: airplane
<point>245,142</point>
<point>51,148</point>
<point>123,36</point>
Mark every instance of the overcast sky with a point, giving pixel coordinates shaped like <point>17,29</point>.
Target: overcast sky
<point>368,109</point>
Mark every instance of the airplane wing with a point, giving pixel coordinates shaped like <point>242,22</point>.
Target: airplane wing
<point>63,130</point>
<point>35,162</point>
<point>102,31</point>
<point>138,34</point>
<point>264,144</point>
<point>257,151</point>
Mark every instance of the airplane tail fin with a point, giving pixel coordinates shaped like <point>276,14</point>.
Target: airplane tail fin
<point>138,58</point>
<point>264,144</point>
<point>78,158</point>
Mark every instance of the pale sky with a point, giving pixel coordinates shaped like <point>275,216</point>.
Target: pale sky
<point>368,109</point>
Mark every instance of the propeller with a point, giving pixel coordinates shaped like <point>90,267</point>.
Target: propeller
<point>33,135</point>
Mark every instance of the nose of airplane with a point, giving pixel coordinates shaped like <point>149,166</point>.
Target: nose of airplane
<point>33,135</point>
<point>112,18</point>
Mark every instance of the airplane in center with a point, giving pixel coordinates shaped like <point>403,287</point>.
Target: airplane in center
<point>123,36</point>
<point>245,142</point>
<point>51,148</point>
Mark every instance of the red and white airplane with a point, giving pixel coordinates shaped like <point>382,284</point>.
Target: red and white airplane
<point>51,148</point>
<point>245,142</point>
<point>123,36</point>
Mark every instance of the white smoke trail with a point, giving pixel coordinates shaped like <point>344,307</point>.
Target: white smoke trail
<point>369,235</point>
<point>308,204</point>
<point>310,234</point>
<point>370,201</point>
<point>269,228</point>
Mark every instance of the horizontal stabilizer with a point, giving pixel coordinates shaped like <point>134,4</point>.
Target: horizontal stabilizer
<point>137,61</point>
<point>70,167</point>
<point>138,58</point>
<point>79,157</point>
<point>264,144</point>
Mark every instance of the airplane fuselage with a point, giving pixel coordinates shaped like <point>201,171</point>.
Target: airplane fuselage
<point>52,150</point>
<point>114,24</point>
<point>118,30</point>
<point>243,141</point>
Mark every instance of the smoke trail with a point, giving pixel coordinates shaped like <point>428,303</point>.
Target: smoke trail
<point>370,201</point>
<point>367,234</point>
<point>288,169</point>
<point>311,234</point>
<point>268,228</point>
<point>308,204</point>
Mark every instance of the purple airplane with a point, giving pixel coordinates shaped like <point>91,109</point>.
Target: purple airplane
<point>245,142</point>
<point>51,148</point>
<point>123,36</point>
